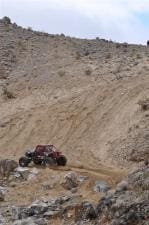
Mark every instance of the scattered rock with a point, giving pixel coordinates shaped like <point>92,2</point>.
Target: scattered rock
<point>101,186</point>
<point>47,185</point>
<point>122,186</point>
<point>31,221</point>
<point>23,172</point>
<point>26,173</point>
<point>74,190</point>
<point>33,173</point>
<point>39,208</point>
<point>48,208</point>
<point>2,193</point>
<point>129,207</point>
<point>7,166</point>
<point>86,212</point>
<point>2,220</point>
<point>71,180</point>
<point>82,178</point>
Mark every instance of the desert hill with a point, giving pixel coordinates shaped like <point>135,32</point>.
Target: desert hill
<point>80,95</point>
<point>90,98</point>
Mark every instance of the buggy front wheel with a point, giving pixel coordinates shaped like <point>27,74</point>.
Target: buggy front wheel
<point>23,161</point>
<point>61,161</point>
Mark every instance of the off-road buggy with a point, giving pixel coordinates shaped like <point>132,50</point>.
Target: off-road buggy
<point>42,155</point>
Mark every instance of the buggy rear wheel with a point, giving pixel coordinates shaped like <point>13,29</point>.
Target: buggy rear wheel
<point>23,161</point>
<point>61,161</point>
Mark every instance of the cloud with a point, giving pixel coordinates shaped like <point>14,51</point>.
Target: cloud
<point>121,20</point>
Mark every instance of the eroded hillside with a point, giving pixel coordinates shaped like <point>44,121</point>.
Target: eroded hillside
<point>80,95</point>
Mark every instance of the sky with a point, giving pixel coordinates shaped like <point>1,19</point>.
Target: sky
<point>118,20</point>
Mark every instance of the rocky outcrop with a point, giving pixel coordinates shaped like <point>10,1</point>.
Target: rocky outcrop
<point>130,202</point>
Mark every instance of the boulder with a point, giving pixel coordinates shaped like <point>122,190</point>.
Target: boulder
<point>7,166</point>
<point>85,212</point>
<point>2,220</point>
<point>71,180</point>
<point>122,186</point>
<point>31,221</point>
<point>23,172</point>
<point>82,178</point>
<point>33,173</point>
<point>101,186</point>
<point>39,207</point>
<point>2,193</point>
<point>127,207</point>
<point>26,173</point>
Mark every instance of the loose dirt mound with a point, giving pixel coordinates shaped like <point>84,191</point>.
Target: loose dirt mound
<point>80,95</point>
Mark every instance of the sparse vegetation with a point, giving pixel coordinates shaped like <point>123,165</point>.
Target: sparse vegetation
<point>61,73</point>
<point>138,56</point>
<point>88,71</point>
<point>8,94</point>
<point>30,29</point>
<point>125,45</point>
<point>6,20</point>
<point>118,45</point>
<point>78,55</point>
<point>108,56</point>
<point>62,35</point>
<point>144,104</point>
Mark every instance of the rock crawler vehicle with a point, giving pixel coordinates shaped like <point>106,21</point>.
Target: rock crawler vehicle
<point>42,155</point>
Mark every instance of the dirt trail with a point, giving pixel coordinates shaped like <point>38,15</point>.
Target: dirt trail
<point>49,180</point>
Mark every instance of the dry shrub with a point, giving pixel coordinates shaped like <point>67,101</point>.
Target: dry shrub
<point>118,45</point>
<point>61,73</point>
<point>138,56</point>
<point>108,56</point>
<point>6,20</point>
<point>88,71</point>
<point>144,104</point>
<point>78,55</point>
<point>30,29</point>
<point>8,94</point>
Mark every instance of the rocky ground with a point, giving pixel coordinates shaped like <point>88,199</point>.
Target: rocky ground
<point>63,203</point>
<point>90,98</point>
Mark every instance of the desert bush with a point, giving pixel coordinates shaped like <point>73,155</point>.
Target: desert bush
<point>8,94</point>
<point>144,104</point>
<point>125,45</point>
<point>29,29</point>
<point>108,56</point>
<point>86,53</point>
<point>139,56</point>
<point>88,71</point>
<point>21,45</point>
<point>118,45</point>
<point>62,35</point>
<point>61,73</point>
<point>78,55</point>
<point>6,20</point>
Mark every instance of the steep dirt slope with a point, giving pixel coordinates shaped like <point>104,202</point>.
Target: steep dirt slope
<point>80,95</point>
